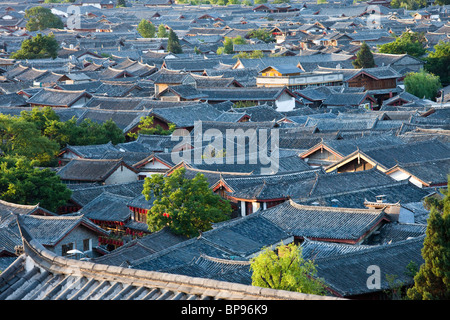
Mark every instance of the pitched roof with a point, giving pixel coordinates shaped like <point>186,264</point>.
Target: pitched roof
<point>107,207</point>
<point>53,97</point>
<point>49,231</point>
<point>325,223</point>
<point>93,170</point>
<point>347,274</point>
<point>388,156</point>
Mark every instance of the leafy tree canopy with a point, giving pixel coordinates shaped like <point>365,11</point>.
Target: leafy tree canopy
<point>146,29</point>
<point>20,138</point>
<point>422,84</point>
<point>22,183</point>
<point>162,32</point>
<point>38,47</point>
<point>146,126</point>
<point>285,269</point>
<point>262,34</point>
<point>438,62</point>
<point>186,206</point>
<point>40,18</point>
<point>411,43</point>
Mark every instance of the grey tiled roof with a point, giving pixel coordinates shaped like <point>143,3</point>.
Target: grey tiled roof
<point>347,274</point>
<point>389,156</point>
<point>53,97</point>
<point>48,231</point>
<point>116,283</point>
<point>107,207</point>
<point>82,194</point>
<point>89,170</point>
<point>332,224</point>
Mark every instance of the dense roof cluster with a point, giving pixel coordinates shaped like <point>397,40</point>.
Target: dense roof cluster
<point>355,154</point>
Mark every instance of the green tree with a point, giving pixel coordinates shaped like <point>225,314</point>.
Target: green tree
<point>20,138</point>
<point>121,3</point>
<point>438,62</point>
<point>146,29</point>
<point>38,47</point>
<point>286,269</point>
<point>162,32</point>
<point>146,126</point>
<point>40,18</point>
<point>408,4</point>
<point>422,84</point>
<point>186,206</point>
<point>21,183</point>
<point>71,132</point>
<point>228,45</point>
<point>432,282</point>
<point>364,57</point>
<point>173,43</point>
<point>261,34</point>
<point>412,43</point>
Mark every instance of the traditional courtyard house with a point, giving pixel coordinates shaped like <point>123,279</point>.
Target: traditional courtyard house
<point>327,153</point>
<point>153,143</point>
<point>295,78</point>
<point>47,80</point>
<point>100,4</point>
<point>402,63</point>
<point>127,120</point>
<point>62,234</point>
<point>110,73</point>
<point>329,224</point>
<point>220,81</point>
<point>83,193</point>
<point>387,157</point>
<point>354,189</point>
<point>165,78</point>
<point>7,64</point>
<point>74,78</point>
<point>9,209</point>
<point>84,152</point>
<point>266,48</point>
<point>399,100</point>
<point>249,194</point>
<point>59,98</point>
<point>110,212</point>
<point>11,100</point>
<point>157,163</point>
<point>97,171</point>
<point>180,93</point>
<point>346,274</point>
<point>424,174</point>
<point>141,247</point>
<point>281,99</point>
<point>118,89</point>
